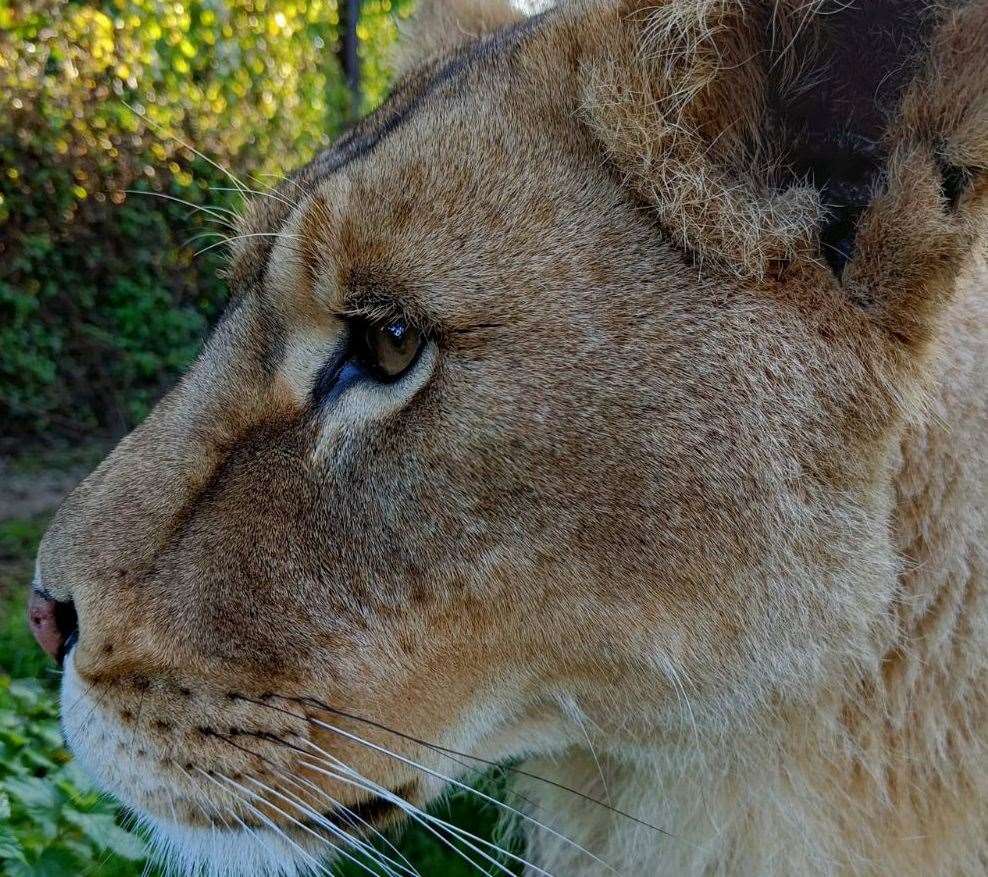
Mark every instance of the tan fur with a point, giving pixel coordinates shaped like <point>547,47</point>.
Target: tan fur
<point>443,26</point>
<point>666,506</point>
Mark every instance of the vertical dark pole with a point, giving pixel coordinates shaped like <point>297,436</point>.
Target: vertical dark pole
<point>349,57</point>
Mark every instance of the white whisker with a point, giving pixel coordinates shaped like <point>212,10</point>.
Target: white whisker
<point>321,820</point>
<point>248,191</point>
<point>353,819</point>
<point>458,784</point>
<point>219,814</point>
<point>214,211</point>
<point>426,820</point>
<point>206,234</point>
<point>160,128</point>
<point>294,821</point>
<point>241,237</point>
<point>573,711</point>
<point>266,820</point>
<point>457,758</point>
<point>201,800</point>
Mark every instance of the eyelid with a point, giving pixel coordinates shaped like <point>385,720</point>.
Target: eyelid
<point>371,313</point>
<point>374,307</point>
<point>380,317</point>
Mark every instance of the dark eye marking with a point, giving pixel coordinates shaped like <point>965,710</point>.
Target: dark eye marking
<point>382,351</point>
<point>334,377</point>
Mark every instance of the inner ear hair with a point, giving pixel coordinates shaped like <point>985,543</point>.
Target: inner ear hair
<point>837,111</point>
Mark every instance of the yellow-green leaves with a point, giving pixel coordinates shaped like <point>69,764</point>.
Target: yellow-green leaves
<point>100,302</point>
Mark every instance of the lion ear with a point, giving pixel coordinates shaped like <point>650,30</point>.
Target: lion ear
<point>854,135</point>
<point>439,27</point>
<point>927,212</point>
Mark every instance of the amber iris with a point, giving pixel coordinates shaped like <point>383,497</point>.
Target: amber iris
<point>387,350</point>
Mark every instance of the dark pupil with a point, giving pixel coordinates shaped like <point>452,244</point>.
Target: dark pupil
<point>393,347</point>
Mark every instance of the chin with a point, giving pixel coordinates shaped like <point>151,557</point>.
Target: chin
<point>186,851</point>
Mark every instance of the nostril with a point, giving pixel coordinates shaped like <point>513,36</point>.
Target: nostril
<point>54,623</point>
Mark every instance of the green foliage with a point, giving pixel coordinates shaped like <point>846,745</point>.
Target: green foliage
<point>19,656</point>
<point>52,821</point>
<point>101,303</point>
<point>20,536</point>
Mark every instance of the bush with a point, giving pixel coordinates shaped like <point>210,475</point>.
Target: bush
<point>101,301</point>
<point>52,821</point>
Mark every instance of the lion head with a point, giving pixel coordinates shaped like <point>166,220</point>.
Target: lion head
<point>564,388</point>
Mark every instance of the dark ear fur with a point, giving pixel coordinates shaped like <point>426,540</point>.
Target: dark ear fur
<point>928,210</point>
<point>865,54</point>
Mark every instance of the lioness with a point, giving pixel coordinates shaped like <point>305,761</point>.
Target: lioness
<point>612,398</point>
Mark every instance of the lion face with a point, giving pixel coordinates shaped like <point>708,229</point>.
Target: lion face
<point>479,451</point>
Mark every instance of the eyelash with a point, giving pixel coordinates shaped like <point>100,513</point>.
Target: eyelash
<point>372,310</point>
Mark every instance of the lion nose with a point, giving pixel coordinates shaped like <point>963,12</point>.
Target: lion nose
<point>54,624</point>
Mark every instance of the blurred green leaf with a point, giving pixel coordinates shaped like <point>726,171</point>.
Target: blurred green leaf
<point>102,829</point>
<point>32,793</point>
<point>101,302</point>
<point>53,862</point>
<point>10,847</point>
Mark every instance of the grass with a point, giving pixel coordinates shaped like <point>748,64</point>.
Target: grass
<point>59,458</point>
<point>53,823</point>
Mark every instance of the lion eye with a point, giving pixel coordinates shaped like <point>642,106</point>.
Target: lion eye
<point>387,350</point>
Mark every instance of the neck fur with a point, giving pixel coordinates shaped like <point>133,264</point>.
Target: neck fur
<point>884,775</point>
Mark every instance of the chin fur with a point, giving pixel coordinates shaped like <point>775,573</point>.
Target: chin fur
<point>184,851</point>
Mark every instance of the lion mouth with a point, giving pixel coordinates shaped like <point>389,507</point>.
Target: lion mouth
<point>362,817</point>
<point>367,815</point>
<point>375,810</point>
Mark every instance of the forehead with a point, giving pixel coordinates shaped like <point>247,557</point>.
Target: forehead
<point>476,65</point>
<point>473,174</point>
<point>442,83</point>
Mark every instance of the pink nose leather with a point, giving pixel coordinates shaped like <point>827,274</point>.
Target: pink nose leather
<point>42,617</point>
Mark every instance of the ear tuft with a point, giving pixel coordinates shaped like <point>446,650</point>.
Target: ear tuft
<point>679,95</point>
<point>764,131</point>
<point>439,27</point>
